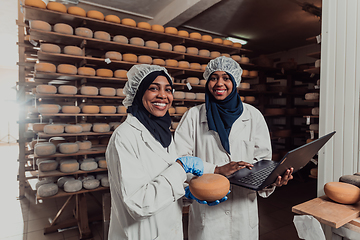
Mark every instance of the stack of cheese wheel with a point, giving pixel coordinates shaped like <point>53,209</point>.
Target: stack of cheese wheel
<point>90,109</point>
<point>47,89</point>
<point>144,25</point>
<point>183,33</point>
<point>62,180</point>
<point>44,149</point>
<point>107,91</point>
<point>73,128</point>
<point>68,148</point>
<point>179,48</point>
<point>179,95</point>
<point>48,108</point>
<point>73,50</point>
<point>171,30</point>
<point>120,73</point>
<point>54,129</point>
<point>87,71</point>
<point>101,127</point>
<point>67,69</point>
<point>145,59</point>
<point>157,28</point>
<point>151,44</point>
<point>112,18</point>
<point>159,61</point>
<point>129,22</point>
<point>137,41</point>
<point>95,14</point>
<point>70,109</point>
<point>45,67</point>
<point>121,39</point>
<point>89,90</point>
<point>102,35</point>
<point>76,11</point>
<point>209,187</point>
<point>84,32</point>
<point>121,109</point>
<point>180,110</point>
<point>103,72</point>
<point>108,109</point>
<point>129,57</point>
<point>113,55</point>
<point>35,3</point>
<point>40,25</point>
<point>63,28</point>
<point>50,48</point>
<point>67,89</point>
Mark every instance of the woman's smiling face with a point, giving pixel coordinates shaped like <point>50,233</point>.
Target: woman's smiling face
<point>220,85</point>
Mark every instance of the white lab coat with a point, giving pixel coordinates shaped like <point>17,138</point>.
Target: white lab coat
<point>146,185</point>
<point>236,218</point>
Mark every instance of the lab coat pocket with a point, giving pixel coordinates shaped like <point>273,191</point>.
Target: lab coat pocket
<point>253,210</point>
<point>247,151</point>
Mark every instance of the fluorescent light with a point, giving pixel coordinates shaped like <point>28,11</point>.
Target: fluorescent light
<point>237,40</point>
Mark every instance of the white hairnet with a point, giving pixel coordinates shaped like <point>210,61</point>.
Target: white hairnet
<point>225,64</point>
<point>135,75</point>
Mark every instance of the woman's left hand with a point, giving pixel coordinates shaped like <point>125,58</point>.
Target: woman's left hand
<point>232,167</point>
<point>284,179</point>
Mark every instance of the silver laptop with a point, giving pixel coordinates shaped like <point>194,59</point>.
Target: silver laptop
<point>265,172</point>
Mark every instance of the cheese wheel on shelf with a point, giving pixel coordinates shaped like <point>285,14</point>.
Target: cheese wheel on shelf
<point>63,28</point>
<point>244,59</point>
<point>209,187</point>
<point>70,109</point>
<point>129,57</point>
<point>48,108</point>
<point>47,89</point>
<point>47,190</point>
<point>193,80</point>
<point>90,109</point>
<point>73,128</point>
<point>171,110</point>
<point>69,166</point>
<point>44,149</point>
<point>112,18</point>
<point>250,99</point>
<point>253,73</point>
<point>103,72</point>
<point>245,85</point>
<point>171,30</point>
<point>55,6</point>
<point>35,3</point>
<point>101,127</point>
<point>145,59</point>
<point>171,62</point>
<point>180,110</point>
<point>151,44</point>
<point>86,126</point>
<point>76,11</point>
<point>73,50</point>
<point>144,25</point>
<point>225,54</point>
<point>107,91</point>
<point>217,40</point>
<point>121,39</point>
<point>129,22</point>
<point>195,35</point>
<point>206,38</point>
<point>184,64</point>
<point>67,89</point>
<point>84,32</point>
<point>51,48</point>
<point>45,67</point>
<point>87,71</point>
<point>95,14</point>
<point>38,127</point>
<point>67,69</point>
<point>40,25</point>
<point>157,28</point>
<point>215,54</point>
<point>179,48</point>
<point>202,82</point>
<point>315,111</point>
<point>102,164</point>
<point>72,186</point>
<point>62,180</point>
<point>195,66</point>
<point>54,128</point>
<point>236,57</point>
<point>158,61</point>
<point>120,73</point>
<point>91,184</point>
<point>192,50</point>
<point>204,52</point>
<point>190,95</point>
<point>89,90</point>
<point>108,109</point>
<point>179,95</point>
<point>183,33</point>
<point>237,45</point>
<point>245,73</point>
<point>314,126</point>
<point>203,66</point>
<point>68,148</point>
<point>48,165</point>
<point>137,41</point>
<point>311,96</point>
<point>227,42</point>
<point>341,192</point>
<point>165,46</point>
<point>102,35</point>
<point>121,109</point>
<point>200,96</point>
<point>105,182</point>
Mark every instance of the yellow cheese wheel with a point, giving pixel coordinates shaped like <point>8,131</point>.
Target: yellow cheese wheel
<point>183,33</point>
<point>238,45</point>
<point>344,193</point>
<point>245,85</point>
<point>179,95</point>
<point>311,96</point>
<point>245,73</point>
<point>101,127</point>
<point>204,52</point>
<point>225,54</point>
<point>84,32</point>
<point>35,3</point>
<point>108,109</point>
<point>171,62</point>
<point>253,73</point>
<point>76,11</point>
<point>69,166</point>
<point>38,127</point>
<point>144,25</point>
<point>171,110</point>
<point>63,28</point>
<point>202,82</point>
<point>67,69</point>
<point>195,35</point>
<point>102,35</point>
<point>151,44</point>
<point>86,126</point>
<point>206,38</point>
<point>40,25</point>
<point>120,73</point>
<point>67,89</point>
<point>158,61</point>
<point>145,59</point>
<point>129,22</point>
<point>217,40</point>
<point>120,92</point>
<point>171,30</point>
<point>184,64</point>
<point>55,6</point>
<point>68,148</point>
<point>107,91</point>
<point>90,109</point>
<point>179,48</point>
<point>44,149</point>
<point>48,108</point>
<point>157,28</point>
<point>209,187</point>
<point>200,96</point>
<point>165,46</point>
<point>195,66</point>
<point>227,42</point>
<point>112,18</point>
<point>54,128</point>
<point>70,109</point>
<point>129,57</point>
<point>47,89</point>
<point>88,71</point>
<point>89,90</point>
<point>73,128</point>
<point>193,80</point>
<point>51,48</point>
<point>84,145</point>
<point>192,50</point>
<point>113,55</point>
<point>236,57</point>
<point>95,14</point>
<point>203,66</point>
<point>190,95</point>
<point>103,72</point>
<point>137,41</point>
<point>73,50</point>
<point>121,109</point>
<point>215,54</point>
<point>102,163</point>
<point>121,39</point>
<point>244,59</point>
<point>180,110</point>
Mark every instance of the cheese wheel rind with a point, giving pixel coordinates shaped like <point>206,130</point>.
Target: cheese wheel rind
<point>112,18</point>
<point>51,48</point>
<point>89,90</point>
<point>68,148</point>
<point>102,35</point>
<point>47,190</point>
<point>44,149</point>
<point>84,32</point>
<point>128,22</point>
<point>95,14</point>
<point>87,71</point>
<point>63,28</point>
<point>41,25</point>
<point>47,89</point>
<point>73,50</point>
<point>54,128</point>
<point>67,89</point>
<point>67,69</point>
<point>56,6</point>
<point>76,11</point>
<point>35,3</point>
<point>45,67</point>
<point>344,193</point>
<point>209,187</point>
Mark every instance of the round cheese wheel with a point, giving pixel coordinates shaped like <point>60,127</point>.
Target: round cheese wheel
<point>157,28</point>
<point>217,40</point>
<point>48,108</point>
<point>54,129</point>
<point>105,182</point>
<point>89,90</point>
<point>311,96</point>
<point>91,184</point>
<point>206,38</point>
<point>129,22</point>
<point>121,109</point>
<point>180,110</point>
<point>314,126</point>
<point>151,44</point>
<point>179,48</point>
<point>87,71</point>
<point>250,99</point>
<point>70,109</point>
<point>244,59</point>
<point>344,193</point>
<point>195,35</point>
<point>63,28</point>
<point>204,52</point>
<point>129,57</point>
<point>73,128</point>
<point>108,109</point>
<point>103,72</point>
<point>62,180</point>
<point>47,165</point>
<point>193,80</point>
<point>68,148</point>
<point>67,89</point>
<point>192,50</point>
<point>47,89</point>
<point>183,33</point>
<point>101,127</point>
<point>120,73</point>
<point>121,39</point>
<point>179,95</point>
<point>40,25</point>
<point>102,35</point>
<point>209,187</point>
<point>245,85</point>
<point>95,14</point>
<point>202,82</point>
<point>171,62</point>
<point>84,32</point>
<point>45,67</point>
<point>35,3</point>
<point>145,59</point>
<point>190,95</point>
<point>47,190</point>
<point>73,50</point>
<point>203,66</point>
<point>195,66</point>
<point>51,48</point>
<point>76,11</point>
<point>144,25</point>
<point>171,110</point>
<point>215,54</point>
<point>38,127</point>
<point>137,41</point>
<point>165,46</point>
<point>107,91</point>
<point>44,181</point>
<point>253,73</point>
<point>90,109</point>
<point>237,45</point>
<point>225,54</point>
<point>200,96</point>
<point>112,18</point>
<point>86,126</point>
<point>67,69</point>
<point>72,186</point>
<point>171,30</point>
<point>55,6</point>
<point>245,73</point>
<point>236,58</point>
<point>227,42</point>
<point>184,64</point>
<point>351,179</point>
<point>158,61</point>
<point>102,163</point>
<point>315,111</point>
<point>44,149</point>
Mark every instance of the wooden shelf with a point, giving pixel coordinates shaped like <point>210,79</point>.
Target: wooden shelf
<point>95,150</point>
<point>83,115</point>
<point>46,135</point>
<point>316,55</point>
<point>56,173</point>
<point>43,95</point>
<point>311,116</point>
<point>62,193</point>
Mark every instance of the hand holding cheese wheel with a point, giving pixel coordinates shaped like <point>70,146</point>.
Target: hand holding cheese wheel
<point>209,187</point>
<point>341,192</point>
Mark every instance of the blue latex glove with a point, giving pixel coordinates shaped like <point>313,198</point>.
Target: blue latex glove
<point>189,195</point>
<point>192,165</point>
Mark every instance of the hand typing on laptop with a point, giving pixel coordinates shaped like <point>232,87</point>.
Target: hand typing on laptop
<point>232,167</point>
<point>284,179</point>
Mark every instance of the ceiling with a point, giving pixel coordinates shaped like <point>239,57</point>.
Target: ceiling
<point>268,26</point>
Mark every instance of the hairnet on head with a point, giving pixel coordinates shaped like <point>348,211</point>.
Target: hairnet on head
<point>136,75</point>
<point>225,64</point>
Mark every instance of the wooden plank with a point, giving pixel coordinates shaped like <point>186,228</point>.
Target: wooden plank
<point>56,173</point>
<point>94,150</point>
<point>46,135</point>
<point>328,212</point>
<point>62,193</point>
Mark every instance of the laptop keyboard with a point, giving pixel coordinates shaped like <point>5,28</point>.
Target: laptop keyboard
<point>257,178</point>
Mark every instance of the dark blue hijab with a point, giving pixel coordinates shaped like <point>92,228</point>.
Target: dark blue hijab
<point>221,114</point>
<point>159,127</point>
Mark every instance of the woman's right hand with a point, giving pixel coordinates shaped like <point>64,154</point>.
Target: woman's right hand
<point>191,164</point>
<point>232,167</point>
